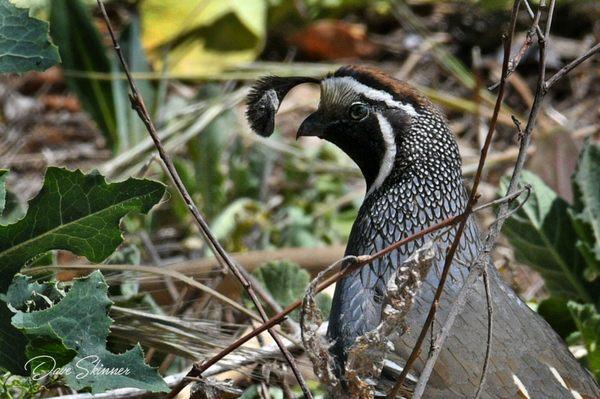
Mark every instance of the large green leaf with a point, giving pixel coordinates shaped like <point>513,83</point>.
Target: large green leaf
<point>587,319</point>
<point>83,52</point>
<point>24,43</point>
<point>543,237</point>
<point>81,322</point>
<point>586,213</point>
<point>75,212</point>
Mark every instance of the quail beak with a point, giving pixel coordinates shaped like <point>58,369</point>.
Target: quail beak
<point>312,126</point>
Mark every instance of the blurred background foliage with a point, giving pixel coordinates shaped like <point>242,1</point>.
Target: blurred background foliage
<point>192,60</point>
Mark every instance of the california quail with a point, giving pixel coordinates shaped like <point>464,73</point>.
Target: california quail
<point>411,165</point>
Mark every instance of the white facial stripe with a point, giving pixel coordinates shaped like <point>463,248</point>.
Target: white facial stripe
<point>336,85</point>
<point>387,163</point>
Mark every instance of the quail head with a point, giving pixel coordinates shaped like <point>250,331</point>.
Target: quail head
<point>412,168</point>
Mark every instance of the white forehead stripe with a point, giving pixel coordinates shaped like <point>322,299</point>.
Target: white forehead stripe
<point>387,163</point>
<point>338,84</point>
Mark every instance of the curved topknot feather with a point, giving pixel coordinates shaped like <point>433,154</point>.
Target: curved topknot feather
<point>264,100</point>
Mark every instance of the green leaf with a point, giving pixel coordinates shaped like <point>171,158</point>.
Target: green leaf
<point>12,344</point>
<point>286,282</point>
<point>83,52</point>
<point>206,152</point>
<point>81,322</point>
<point>543,238</point>
<point>588,322</point>
<point>130,128</point>
<point>13,208</point>
<point>26,295</point>
<point>24,43</point>
<point>45,353</point>
<point>75,212</point>
<point>586,213</point>
<point>554,310</point>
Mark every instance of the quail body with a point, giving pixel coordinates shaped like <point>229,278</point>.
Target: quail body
<point>412,168</point>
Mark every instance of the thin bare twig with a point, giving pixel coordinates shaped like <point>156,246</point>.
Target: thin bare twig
<point>570,66</point>
<point>528,8</point>
<point>507,198</point>
<point>534,29</point>
<point>138,104</point>
<point>436,345</point>
<point>273,304</point>
<point>516,60</point>
<point>490,329</point>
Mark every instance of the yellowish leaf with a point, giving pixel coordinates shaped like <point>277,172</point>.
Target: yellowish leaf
<point>202,37</point>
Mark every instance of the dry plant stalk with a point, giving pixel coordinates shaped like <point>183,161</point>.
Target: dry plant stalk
<point>352,263</point>
<point>213,390</point>
<point>315,345</point>
<point>367,355</point>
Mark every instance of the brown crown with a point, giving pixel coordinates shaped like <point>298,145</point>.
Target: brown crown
<point>376,79</point>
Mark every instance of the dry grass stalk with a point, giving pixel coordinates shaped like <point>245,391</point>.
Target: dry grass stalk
<point>367,355</point>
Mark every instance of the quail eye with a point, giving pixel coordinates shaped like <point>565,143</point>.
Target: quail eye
<point>358,111</point>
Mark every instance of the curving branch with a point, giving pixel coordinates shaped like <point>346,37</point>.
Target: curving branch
<point>570,66</point>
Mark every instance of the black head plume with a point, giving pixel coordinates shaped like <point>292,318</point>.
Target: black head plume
<point>265,97</point>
